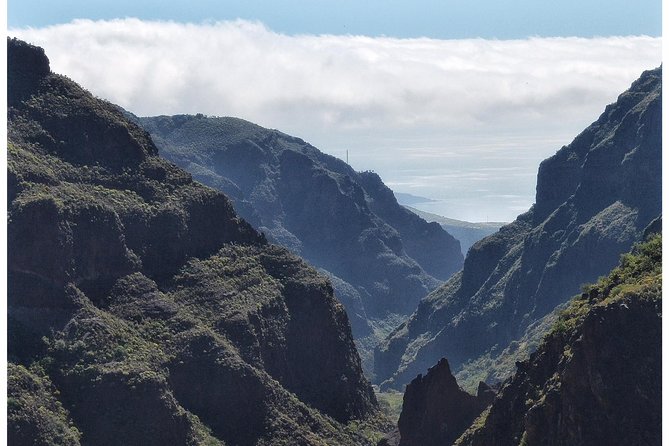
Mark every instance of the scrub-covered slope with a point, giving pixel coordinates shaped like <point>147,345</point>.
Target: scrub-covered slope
<point>382,258</point>
<point>596,378</point>
<point>142,310</point>
<point>594,199</point>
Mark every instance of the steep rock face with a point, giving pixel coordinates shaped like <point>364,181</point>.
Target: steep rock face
<point>496,367</point>
<point>419,239</point>
<point>594,199</point>
<point>381,258</point>
<point>141,309</point>
<point>596,378</point>
<point>436,411</point>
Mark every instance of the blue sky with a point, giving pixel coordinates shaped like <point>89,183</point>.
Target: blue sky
<point>458,101</point>
<point>441,19</point>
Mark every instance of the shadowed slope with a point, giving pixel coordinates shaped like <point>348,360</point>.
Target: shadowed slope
<point>381,258</point>
<point>596,378</point>
<point>142,310</point>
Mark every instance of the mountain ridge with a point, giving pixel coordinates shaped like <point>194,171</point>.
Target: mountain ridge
<point>596,377</point>
<point>380,257</point>
<point>143,306</point>
<point>593,203</point>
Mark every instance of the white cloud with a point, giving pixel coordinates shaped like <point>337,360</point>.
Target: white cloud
<point>465,96</point>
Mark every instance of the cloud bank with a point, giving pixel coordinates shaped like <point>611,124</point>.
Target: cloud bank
<point>426,114</point>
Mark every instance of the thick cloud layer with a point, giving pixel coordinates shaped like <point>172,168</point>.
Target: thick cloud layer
<point>466,121</point>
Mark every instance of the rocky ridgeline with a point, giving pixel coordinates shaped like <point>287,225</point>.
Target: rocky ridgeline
<point>381,258</point>
<point>596,378</point>
<point>436,411</point>
<point>594,199</point>
<point>141,309</point>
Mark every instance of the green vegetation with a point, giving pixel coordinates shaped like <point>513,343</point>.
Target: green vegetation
<point>477,424</point>
<point>373,429</point>
<point>621,281</point>
<point>610,331</point>
<point>639,276</point>
<point>390,403</point>
<point>142,310</point>
<point>494,368</point>
<point>382,259</point>
<point>34,414</point>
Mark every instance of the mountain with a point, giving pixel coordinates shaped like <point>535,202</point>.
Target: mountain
<point>596,378</point>
<point>436,411</point>
<point>141,308</point>
<point>381,258</point>
<point>496,367</point>
<point>467,233</point>
<point>594,198</point>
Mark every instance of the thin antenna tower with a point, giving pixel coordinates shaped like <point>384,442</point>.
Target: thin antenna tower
<point>347,156</point>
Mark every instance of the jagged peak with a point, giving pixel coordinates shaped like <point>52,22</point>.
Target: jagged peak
<point>23,57</point>
<point>26,66</point>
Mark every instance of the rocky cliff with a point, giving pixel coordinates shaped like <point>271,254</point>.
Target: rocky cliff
<point>141,309</point>
<point>596,378</point>
<point>382,259</point>
<point>594,199</point>
<point>436,411</point>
